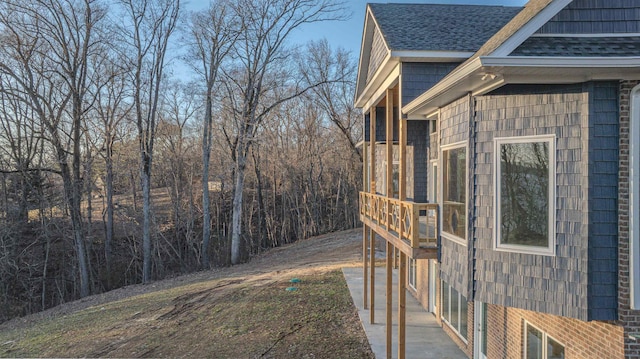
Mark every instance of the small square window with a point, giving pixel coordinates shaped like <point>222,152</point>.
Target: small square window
<point>525,190</point>
<point>538,345</point>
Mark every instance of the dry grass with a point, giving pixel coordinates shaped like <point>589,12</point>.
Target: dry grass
<point>242,312</point>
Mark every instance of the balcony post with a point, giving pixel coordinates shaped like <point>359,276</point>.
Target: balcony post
<point>389,154</point>
<point>415,225</point>
<point>402,171</point>
<point>372,149</point>
<point>372,236</point>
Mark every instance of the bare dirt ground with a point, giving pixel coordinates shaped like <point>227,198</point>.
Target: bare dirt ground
<point>245,311</point>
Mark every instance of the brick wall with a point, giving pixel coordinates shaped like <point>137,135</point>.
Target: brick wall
<point>421,293</point>
<point>582,340</point>
<point>630,319</point>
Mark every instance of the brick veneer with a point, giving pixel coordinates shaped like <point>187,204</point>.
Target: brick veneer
<point>583,340</point>
<point>630,319</point>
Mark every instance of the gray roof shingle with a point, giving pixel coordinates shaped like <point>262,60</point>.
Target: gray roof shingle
<point>579,46</point>
<point>435,27</point>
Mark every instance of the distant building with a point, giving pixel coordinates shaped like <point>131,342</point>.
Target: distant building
<point>503,162</point>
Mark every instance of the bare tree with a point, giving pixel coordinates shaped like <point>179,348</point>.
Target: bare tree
<point>150,25</point>
<point>335,72</point>
<point>50,47</point>
<point>111,109</point>
<point>261,52</point>
<point>213,33</point>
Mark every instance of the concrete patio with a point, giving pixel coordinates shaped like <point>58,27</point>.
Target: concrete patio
<point>424,337</point>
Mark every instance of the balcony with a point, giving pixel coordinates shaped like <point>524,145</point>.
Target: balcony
<point>411,227</point>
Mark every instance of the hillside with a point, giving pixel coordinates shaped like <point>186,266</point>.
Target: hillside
<point>244,311</point>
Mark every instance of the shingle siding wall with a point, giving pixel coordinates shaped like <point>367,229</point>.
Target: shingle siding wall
<point>378,53</point>
<point>603,148</point>
<point>549,284</point>
<point>381,124</point>
<point>418,77</point>
<point>417,137</point>
<point>454,128</point>
<point>596,16</point>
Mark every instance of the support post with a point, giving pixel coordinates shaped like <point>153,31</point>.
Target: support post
<point>389,147</point>
<point>365,264</point>
<point>402,305</point>
<point>372,235</point>
<point>389,309</point>
<point>372,273</point>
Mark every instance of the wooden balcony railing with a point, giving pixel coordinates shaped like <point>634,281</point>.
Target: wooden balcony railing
<point>416,223</point>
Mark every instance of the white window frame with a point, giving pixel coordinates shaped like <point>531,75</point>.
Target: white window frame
<point>448,309</point>
<point>412,273</point>
<point>440,194</point>
<point>551,247</point>
<point>545,338</point>
<point>634,198</point>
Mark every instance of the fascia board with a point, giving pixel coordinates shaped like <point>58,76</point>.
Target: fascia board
<point>602,68</point>
<point>387,65</point>
<point>380,91</point>
<point>557,61</point>
<point>530,27</point>
<point>365,53</point>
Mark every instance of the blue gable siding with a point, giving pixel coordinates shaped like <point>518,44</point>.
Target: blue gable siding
<point>595,16</point>
<point>417,77</point>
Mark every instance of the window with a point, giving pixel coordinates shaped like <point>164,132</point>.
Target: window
<point>634,198</point>
<point>454,310</point>
<point>525,192</point>
<point>538,345</point>
<point>454,192</point>
<point>412,272</point>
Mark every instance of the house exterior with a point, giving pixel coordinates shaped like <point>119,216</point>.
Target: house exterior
<point>502,165</point>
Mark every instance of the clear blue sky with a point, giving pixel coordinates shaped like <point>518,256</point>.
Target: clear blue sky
<point>345,34</point>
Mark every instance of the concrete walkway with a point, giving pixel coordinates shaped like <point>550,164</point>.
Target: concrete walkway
<point>424,337</point>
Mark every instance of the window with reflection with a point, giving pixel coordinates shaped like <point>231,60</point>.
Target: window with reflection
<point>455,310</point>
<point>454,192</point>
<point>525,173</point>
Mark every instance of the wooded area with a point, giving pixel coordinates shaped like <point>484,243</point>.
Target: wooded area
<point>113,171</point>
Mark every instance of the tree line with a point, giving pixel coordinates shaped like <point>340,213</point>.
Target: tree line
<point>114,171</point>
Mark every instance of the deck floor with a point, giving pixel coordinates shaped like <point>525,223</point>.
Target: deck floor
<point>424,337</point>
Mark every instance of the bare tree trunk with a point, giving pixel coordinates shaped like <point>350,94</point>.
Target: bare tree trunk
<point>262,222</point>
<point>108,250</point>
<point>236,220</point>
<point>145,178</point>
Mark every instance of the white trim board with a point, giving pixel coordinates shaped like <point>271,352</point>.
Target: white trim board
<point>530,27</point>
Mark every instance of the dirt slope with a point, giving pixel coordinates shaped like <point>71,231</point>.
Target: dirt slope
<point>245,311</point>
